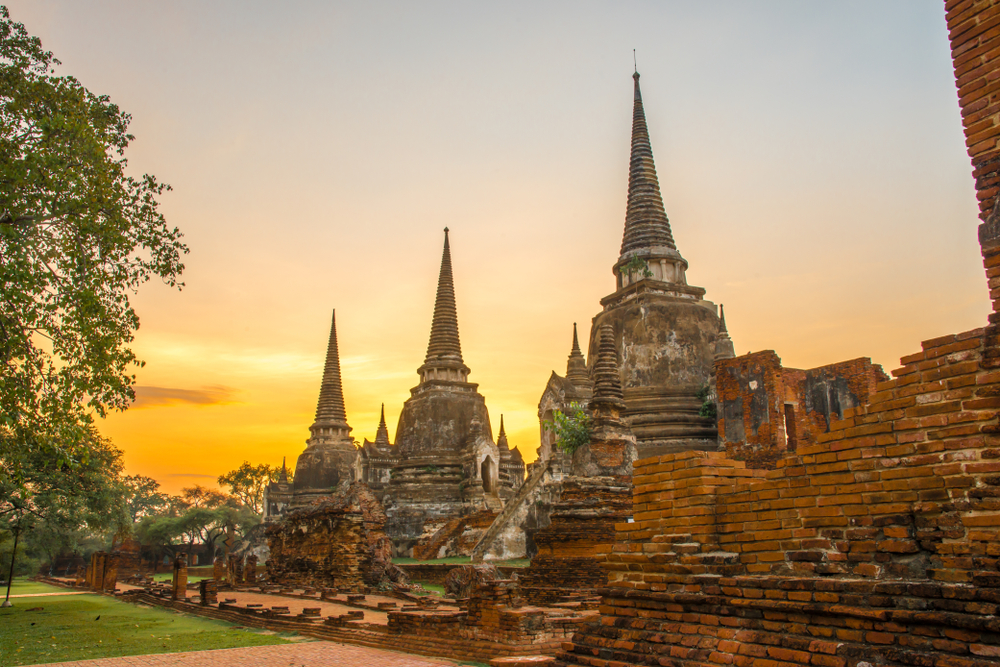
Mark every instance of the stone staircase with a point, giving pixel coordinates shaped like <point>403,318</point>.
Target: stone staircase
<point>515,506</point>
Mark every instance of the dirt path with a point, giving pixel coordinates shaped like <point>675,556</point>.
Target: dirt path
<point>309,654</point>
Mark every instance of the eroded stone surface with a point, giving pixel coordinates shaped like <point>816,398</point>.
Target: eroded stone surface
<point>337,544</point>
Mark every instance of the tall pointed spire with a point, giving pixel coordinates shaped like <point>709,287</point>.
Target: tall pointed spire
<point>283,477</point>
<point>646,224</point>
<point>576,365</point>
<point>444,351</point>
<point>502,445</point>
<point>330,408</point>
<point>382,434</point>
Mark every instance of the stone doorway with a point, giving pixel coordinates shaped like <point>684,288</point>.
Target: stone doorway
<point>487,471</point>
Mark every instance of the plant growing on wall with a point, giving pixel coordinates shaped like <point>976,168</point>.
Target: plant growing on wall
<point>636,266</point>
<point>572,430</point>
<point>707,403</point>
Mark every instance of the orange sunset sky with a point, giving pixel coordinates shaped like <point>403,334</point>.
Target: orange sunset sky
<point>810,157</point>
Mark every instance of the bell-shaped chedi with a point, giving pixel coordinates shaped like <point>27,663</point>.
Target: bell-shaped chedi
<point>664,331</point>
<point>448,464</point>
<point>330,453</point>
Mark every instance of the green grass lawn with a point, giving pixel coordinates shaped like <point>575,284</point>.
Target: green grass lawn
<point>21,586</point>
<point>82,627</point>
<point>432,589</point>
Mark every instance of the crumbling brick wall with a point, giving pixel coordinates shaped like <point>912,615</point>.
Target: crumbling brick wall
<point>766,409</point>
<point>879,543</point>
<point>338,544</point>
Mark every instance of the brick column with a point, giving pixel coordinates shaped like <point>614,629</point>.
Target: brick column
<point>178,589</point>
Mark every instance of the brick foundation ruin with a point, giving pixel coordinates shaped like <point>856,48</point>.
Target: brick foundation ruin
<point>337,544</point>
<point>102,573</point>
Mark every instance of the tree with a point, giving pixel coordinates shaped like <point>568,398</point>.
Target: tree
<point>143,496</point>
<point>572,430</point>
<point>195,525</point>
<point>54,504</point>
<point>78,235</point>
<point>202,497</point>
<point>248,483</point>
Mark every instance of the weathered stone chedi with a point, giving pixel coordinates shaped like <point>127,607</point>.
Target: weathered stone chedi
<point>448,464</point>
<point>328,460</point>
<point>665,332</point>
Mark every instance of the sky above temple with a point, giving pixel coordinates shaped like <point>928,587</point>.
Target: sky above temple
<point>810,157</point>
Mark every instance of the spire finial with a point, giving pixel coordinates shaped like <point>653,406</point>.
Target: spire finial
<point>646,223</point>
<point>635,63</point>
<point>502,445</point>
<point>284,471</point>
<point>724,348</point>
<point>444,351</point>
<point>330,408</point>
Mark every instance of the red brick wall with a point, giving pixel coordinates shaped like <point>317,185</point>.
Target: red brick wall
<point>974,32</point>
<point>879,544</point>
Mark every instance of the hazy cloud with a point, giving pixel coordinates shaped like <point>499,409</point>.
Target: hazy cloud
<point>150,397</point>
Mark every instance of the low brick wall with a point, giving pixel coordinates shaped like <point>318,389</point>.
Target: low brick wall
<point>421,634</point>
